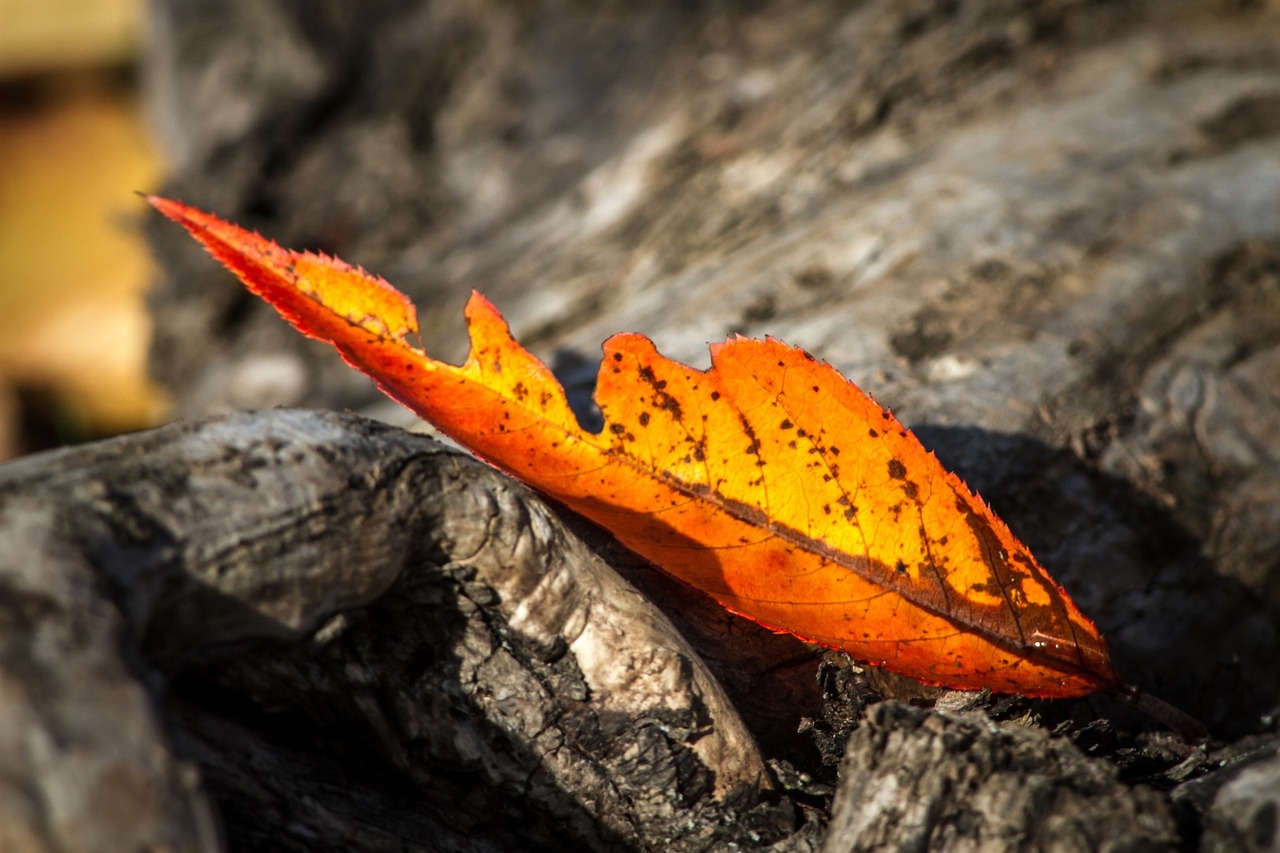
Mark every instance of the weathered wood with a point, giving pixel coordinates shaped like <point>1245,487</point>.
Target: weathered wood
<point>1046,232</point>
<point>337,619</point>
<point>919,780</point>
<point>1023,224</point>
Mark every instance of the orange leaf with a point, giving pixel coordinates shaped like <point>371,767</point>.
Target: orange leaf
<point>769,481</point>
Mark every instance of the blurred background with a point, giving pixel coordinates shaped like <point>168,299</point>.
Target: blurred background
<point>73,142</point>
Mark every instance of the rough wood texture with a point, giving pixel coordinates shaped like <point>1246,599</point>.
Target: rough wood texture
<point>338,619</point>
<point>1046,232</point>
<point>919,780</point>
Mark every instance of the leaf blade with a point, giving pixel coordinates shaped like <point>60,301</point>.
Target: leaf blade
<point>768,481</point>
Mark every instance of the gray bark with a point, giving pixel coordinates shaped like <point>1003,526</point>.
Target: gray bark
<point>335,619</point>
<point>1044,233</point>
<point>1047,233</point>
<point>919,780</point>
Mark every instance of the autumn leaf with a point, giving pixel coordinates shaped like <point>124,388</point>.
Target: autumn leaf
<point>769,481</point>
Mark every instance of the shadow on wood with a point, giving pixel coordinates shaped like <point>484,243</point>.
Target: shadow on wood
<point>358,635</point>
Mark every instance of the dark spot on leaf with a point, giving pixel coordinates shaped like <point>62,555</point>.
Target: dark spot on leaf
<point>897,470</point>
<point>644,419</point>
<point>786,424</point>
<point>617,429</point>
<point>661,398</point>
<point>754,447</point>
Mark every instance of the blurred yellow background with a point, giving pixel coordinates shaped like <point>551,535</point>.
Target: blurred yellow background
<point>73,148</point>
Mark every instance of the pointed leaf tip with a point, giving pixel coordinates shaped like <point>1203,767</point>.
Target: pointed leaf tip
<point>290,280</point>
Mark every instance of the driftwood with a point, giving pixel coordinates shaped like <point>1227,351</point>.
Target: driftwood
<point>914,779</point>
<point>306,631</point>
<point>338,619</point>
<point>1047,233</point>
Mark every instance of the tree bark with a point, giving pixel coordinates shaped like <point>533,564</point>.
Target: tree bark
<point>919,780</point>
<point>1045,232</point>
<point>336,619</point>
